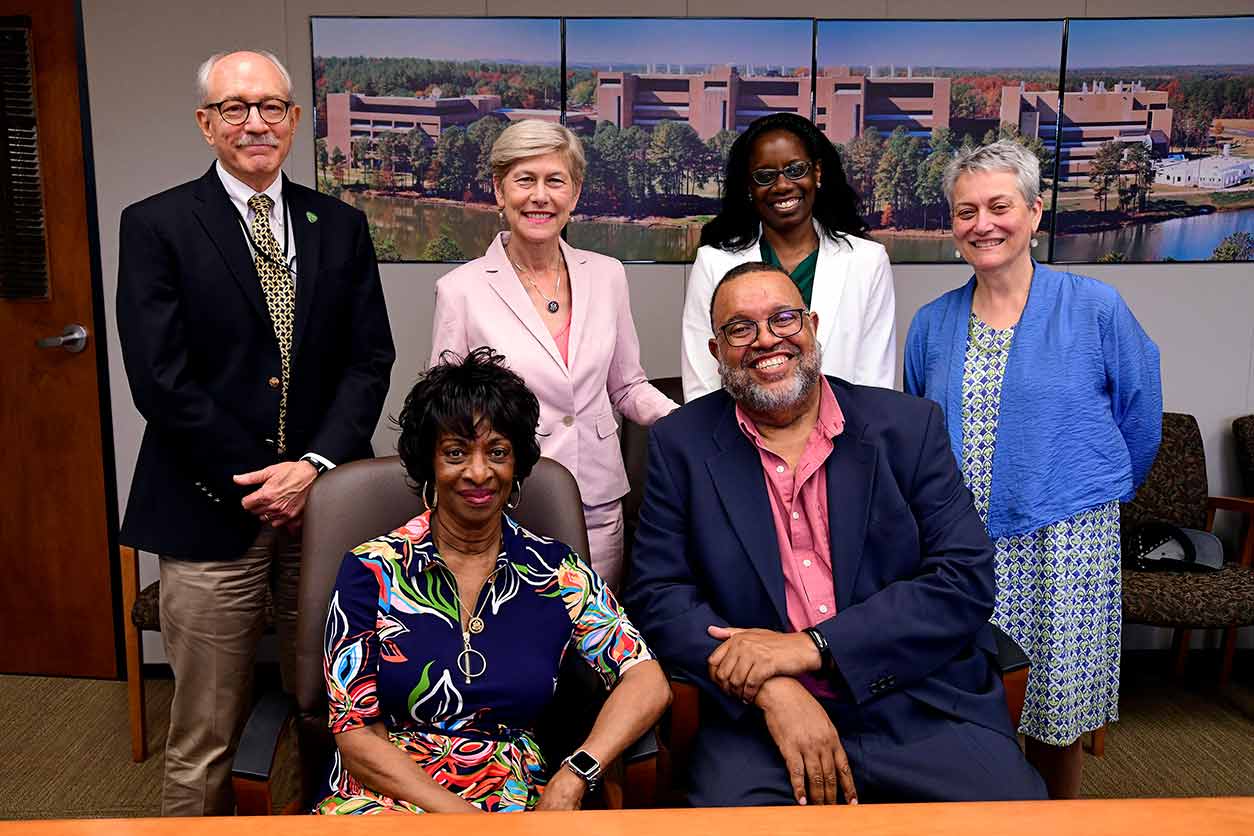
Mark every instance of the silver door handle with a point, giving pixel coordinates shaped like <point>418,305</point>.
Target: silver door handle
<point>73,339</point>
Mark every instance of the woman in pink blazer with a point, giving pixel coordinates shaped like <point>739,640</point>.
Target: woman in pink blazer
<point>562,319</point>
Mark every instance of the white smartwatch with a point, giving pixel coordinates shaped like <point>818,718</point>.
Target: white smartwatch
<point>585,766</point>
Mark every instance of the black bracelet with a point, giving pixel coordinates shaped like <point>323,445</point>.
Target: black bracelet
<point>319,467</point>
<point>825,651</point>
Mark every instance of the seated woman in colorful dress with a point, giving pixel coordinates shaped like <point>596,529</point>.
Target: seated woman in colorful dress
<point>444,637</point>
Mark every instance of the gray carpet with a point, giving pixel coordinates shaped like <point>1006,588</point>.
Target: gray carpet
<point>66,745</point>
<point>67,750</point>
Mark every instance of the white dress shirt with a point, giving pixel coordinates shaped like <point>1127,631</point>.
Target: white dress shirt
<point>240,193</point>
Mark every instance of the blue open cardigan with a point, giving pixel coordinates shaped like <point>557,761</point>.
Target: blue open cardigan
<point>1081,400</point>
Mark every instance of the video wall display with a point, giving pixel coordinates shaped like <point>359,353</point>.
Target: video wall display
<point>900,98</point>
<point>1148,129</point>
<point>1157,133</point>
<point>407,111</point>
<point>659,103</point>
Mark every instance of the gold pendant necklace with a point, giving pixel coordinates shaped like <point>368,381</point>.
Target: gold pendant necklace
<point>471,662</point>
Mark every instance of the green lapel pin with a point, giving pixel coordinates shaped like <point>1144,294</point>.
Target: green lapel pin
<point>313,219</point>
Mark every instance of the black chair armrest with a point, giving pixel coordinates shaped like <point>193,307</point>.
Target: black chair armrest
<point>645,747</point>
<point>1010,657</point>
<point>260,741</point>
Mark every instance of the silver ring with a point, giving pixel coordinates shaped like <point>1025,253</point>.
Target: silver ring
<point>265,518</point>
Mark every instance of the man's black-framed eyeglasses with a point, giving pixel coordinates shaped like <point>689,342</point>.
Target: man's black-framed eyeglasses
<point>741,332</point>
<point>235,111</point>
<point>793,171</point>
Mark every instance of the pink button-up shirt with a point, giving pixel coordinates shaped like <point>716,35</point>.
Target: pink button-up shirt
<point>799,508</point>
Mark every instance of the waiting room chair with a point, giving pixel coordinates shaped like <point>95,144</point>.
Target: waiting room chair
<point>680,726</point>
<point>348,506</point>
<point>1243,435</point>
<point>1175,492</point>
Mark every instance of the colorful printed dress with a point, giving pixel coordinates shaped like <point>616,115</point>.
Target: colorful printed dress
<point>391,650</point>
<point>1058,592</point>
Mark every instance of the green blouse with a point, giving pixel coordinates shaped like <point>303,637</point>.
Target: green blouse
<point>802,276</point>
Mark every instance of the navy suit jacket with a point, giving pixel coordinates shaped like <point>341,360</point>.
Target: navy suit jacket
<point>912,564</point>
<point>199,348</point>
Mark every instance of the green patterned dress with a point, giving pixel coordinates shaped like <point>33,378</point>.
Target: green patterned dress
<point>1058,591</point>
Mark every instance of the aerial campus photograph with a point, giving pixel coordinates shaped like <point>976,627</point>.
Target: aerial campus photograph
<point>660,102</point>
<point>1155,161</point>
<point>407,110</point>
<point>900,98</point>
<point>1158,141</point>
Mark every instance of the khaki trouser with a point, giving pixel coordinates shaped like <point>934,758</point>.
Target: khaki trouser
<point>212,616</point>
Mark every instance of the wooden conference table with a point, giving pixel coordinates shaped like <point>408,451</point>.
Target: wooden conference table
<point>1131,817</point>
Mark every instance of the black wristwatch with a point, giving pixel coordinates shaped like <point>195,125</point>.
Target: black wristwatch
<point>319,466</point>
<point>586,767</point>
<point>825,651</point>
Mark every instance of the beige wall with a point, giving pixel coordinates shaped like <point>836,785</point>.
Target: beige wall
<point>141,56</point>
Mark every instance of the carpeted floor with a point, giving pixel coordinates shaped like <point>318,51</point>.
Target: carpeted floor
<point>66,748</point>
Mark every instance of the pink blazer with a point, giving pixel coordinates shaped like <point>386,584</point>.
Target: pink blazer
<point>483,302</point>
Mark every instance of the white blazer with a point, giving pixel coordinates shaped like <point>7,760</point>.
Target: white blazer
<point>483,302</point>
<point>853,296</point>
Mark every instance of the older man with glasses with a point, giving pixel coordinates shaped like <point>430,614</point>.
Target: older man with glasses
<point>808,556</point>
<point>257,346</point>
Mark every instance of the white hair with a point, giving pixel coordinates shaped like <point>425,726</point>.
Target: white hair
<point>1002,155</point>
<point>202,73</point>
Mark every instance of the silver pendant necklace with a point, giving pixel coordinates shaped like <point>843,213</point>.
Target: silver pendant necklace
<point>552,305</point>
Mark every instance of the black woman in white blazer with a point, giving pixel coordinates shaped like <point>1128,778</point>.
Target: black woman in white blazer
<point>807,207</point>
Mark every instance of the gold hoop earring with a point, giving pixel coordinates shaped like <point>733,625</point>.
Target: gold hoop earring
<point>435,497</point>
<point>517,489</point>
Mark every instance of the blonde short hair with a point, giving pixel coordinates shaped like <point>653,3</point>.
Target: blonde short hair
<point>534,138</point>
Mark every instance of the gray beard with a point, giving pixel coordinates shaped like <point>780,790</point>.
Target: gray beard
<point>738,382</point>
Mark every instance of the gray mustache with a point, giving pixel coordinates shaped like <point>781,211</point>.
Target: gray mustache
<point>257,139</point>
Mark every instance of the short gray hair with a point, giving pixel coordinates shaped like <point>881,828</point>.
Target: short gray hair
<point>535,138</point>
<point>203,71</point>
<point>1002,155</point>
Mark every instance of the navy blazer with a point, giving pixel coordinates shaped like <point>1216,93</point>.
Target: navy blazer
<point>199,348</point>
<point>912,564</point>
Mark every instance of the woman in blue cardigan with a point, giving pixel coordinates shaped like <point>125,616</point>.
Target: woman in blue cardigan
<point>1053,402</point>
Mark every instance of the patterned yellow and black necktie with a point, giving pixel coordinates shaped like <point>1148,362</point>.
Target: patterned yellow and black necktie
<point>280,291</point>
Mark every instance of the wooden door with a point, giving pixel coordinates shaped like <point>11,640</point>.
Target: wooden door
<point>57,593</point>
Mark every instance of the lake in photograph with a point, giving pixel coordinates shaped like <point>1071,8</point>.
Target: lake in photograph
<point>1182,239</point>
<point>412,223</point>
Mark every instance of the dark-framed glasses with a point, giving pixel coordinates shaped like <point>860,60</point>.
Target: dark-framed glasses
<point>793,171</point>
<point>742,332</point>
<point>235,111</point>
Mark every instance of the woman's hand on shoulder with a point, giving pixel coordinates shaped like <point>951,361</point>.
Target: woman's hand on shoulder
<point>565,791</point>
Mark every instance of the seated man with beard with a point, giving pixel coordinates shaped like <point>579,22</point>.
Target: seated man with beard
<point>809,556</point>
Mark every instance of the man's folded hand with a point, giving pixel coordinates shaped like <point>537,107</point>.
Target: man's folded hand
<point>808,741</point>
<point>749,657</point>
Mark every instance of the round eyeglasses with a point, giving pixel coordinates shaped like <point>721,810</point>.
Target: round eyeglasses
<point>741,332</point>
<point>235,111</point>
<point>793,171</point>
